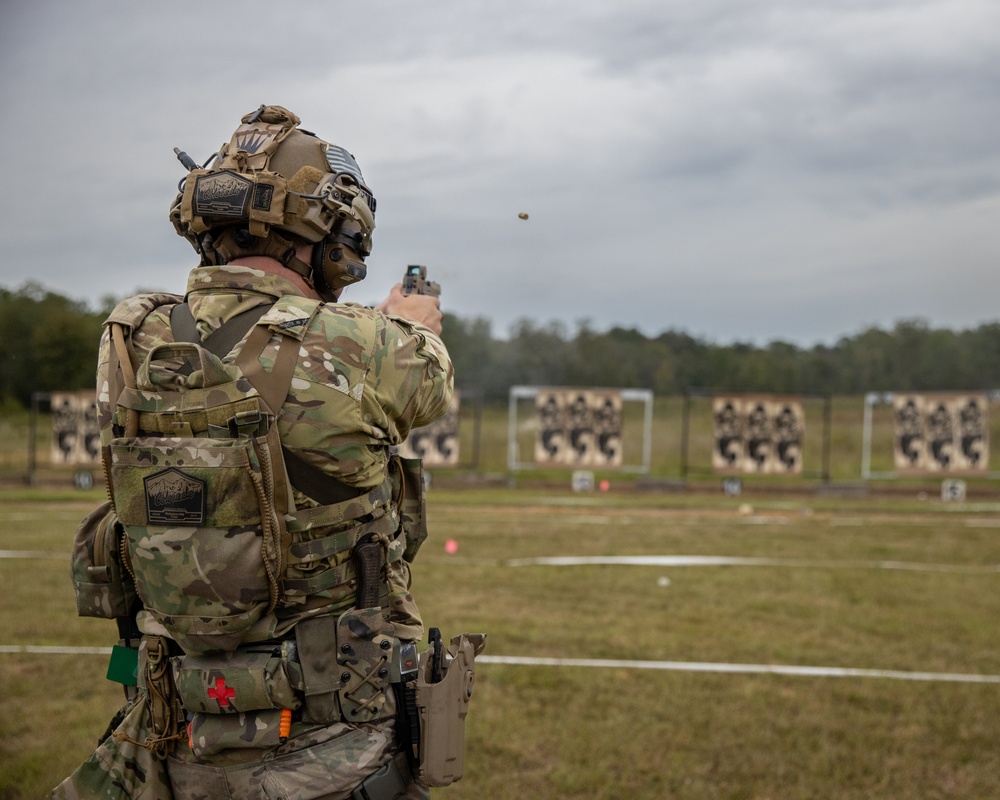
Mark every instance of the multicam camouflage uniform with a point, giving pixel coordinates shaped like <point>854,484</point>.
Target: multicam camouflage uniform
<point>361,382</point>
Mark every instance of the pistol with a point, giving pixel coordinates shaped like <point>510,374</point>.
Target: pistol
<point>415,282</point>
<point>437,656</point>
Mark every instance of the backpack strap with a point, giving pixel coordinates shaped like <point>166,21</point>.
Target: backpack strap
<point>122,367</point>
<point>123,363</point>
<point>223,339</point>
<point>272,385</point>
<point>182,324</point>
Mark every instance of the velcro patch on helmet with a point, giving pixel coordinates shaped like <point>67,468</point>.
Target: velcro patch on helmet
<point>262,197</point>
<point>342,161</point>
<point>222,194</point>
<point>252,140</point>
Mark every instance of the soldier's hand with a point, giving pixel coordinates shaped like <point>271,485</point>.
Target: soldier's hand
<point>422,308</point>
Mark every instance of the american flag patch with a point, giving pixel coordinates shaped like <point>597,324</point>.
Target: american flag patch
<point>342,161</point>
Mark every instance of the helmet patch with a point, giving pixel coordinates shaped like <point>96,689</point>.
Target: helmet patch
<point>222,194</point>
<point>263,194</point>
<point>254,140</point>
<point>342,161</point>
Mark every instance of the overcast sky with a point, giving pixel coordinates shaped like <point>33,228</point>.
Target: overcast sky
<point>741,170</point>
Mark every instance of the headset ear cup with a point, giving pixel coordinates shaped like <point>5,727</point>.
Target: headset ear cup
<point>350,269</point>
<point>318,272</point>
<point>335,266</point>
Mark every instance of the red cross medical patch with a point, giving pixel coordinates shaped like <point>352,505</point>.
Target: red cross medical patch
<point>221,692</point>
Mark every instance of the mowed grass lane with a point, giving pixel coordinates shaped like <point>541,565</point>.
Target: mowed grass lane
<point>612,732</point>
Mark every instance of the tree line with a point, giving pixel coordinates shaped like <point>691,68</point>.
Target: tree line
<point>912,356</point>
<point>48,342</point>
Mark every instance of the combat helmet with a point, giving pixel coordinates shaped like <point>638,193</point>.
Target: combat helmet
<point>272,186</point>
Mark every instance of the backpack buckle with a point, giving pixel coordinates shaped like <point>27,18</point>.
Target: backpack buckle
<point>247,424</point>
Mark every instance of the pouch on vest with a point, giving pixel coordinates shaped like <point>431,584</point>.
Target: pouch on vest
<point>195,490</point>
<point>444,689</point>
<point>102,586</point>
<point>234,700</point>
<point>253,678</point>
<point>212,733</point>
<point>407,478</point>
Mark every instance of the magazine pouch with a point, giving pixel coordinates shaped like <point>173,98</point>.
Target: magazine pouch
<point>101,583</point>
<point>364,656</point>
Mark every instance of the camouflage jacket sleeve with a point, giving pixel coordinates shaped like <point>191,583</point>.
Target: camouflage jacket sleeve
<point>424,378</point>
<point>363,380</point>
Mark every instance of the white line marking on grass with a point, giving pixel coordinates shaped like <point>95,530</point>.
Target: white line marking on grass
<point>607,663</point>
<point>737,561</point>
<point>564,501</point>
<point>747,669</point>
<point>982,523</point>
<point>32,554</point>
<point>972,507</point>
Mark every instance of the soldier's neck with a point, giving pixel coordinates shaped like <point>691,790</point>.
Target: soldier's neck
<point>274,267</point>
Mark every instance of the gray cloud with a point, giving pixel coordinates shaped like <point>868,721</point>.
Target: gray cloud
<point>764,170</point>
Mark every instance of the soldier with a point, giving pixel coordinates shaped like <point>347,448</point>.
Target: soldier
<point>261,670</point>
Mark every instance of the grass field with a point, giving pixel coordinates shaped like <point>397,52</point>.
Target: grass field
<point>898,584</point>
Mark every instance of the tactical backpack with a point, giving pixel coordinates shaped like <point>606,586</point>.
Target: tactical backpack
<point>197,481</point>
<point>201,485</point>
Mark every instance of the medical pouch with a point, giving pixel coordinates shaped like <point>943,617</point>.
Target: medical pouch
<point>444,690</point>
<point>209,734</point>
<point>252,678</point>
<point>101,583</point>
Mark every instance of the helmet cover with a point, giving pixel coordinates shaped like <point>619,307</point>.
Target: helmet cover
<point>272,187</point>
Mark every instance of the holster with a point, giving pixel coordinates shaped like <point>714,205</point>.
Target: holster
<point>443,692</point>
